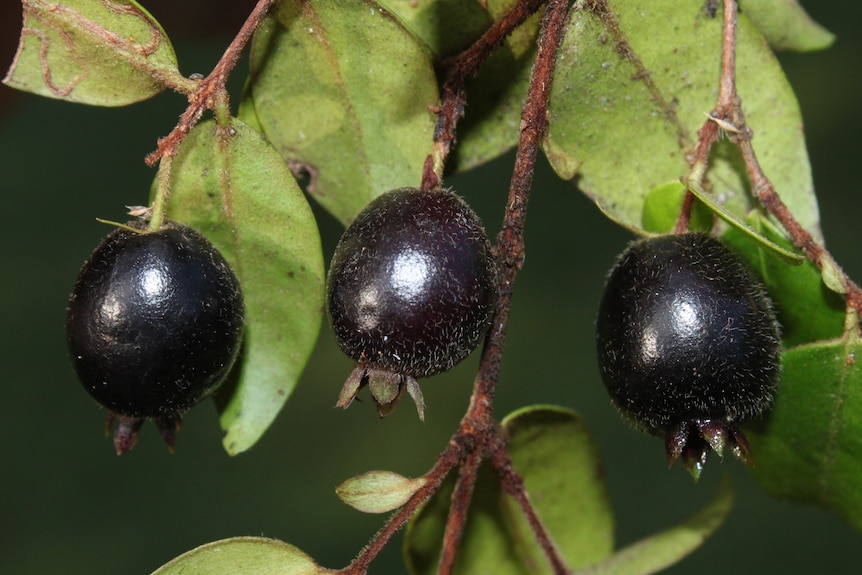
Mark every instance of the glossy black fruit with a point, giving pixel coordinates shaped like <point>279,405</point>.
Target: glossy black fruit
<point>155,322</point>
<point>410,291</point>
<point>688,344</point>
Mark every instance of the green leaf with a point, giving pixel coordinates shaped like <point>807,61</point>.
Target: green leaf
<point>631,90</point>
<point>554,453</point>
<point>666,548</point>
<point>343,90</point>
<point>233,187</point>
<point>495,97</point>
<point>739,223</point>
<point>810,447</point>
<point>786,25</point>
<point>92,52</point>
<point>246,555</point>
<point>378,491</point>
<point>662,206</point>
<point>807,310</point>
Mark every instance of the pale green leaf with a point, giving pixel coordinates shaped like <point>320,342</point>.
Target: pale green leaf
<point>833,276</point>
<point>348,98</point>
<point>246,555</point>
<point>554,453</point>
<point>667,547</point>
<point>92,52</point>
<point>786,25</point>
<point>378,491</point>
<point>233,187</point>
<point>809,449</point>
<point>631,90</point>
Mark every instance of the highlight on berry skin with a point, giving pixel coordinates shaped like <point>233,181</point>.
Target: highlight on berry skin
<point>688,345</point>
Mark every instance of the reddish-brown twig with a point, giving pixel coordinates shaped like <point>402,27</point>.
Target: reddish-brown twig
<point>453,94</point>
<point>514,486</point>
<point>458,506</point>
<point>211,90</point>
<point>510,258</point>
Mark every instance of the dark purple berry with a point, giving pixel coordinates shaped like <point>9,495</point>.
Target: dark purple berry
<point>155,322</point>
<point>688,344</point>
<point>409,291</point>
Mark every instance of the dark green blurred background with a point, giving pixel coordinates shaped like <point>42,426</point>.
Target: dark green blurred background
<point>69,505</point>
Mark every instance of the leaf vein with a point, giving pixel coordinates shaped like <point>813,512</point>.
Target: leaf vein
<point>624,49</point>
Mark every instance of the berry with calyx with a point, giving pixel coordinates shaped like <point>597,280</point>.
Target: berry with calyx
<point>154,325</point>
<point>688,344</point>
<point>410,292</point>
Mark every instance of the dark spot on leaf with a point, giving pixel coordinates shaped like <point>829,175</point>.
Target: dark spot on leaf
<point>711,8</point>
